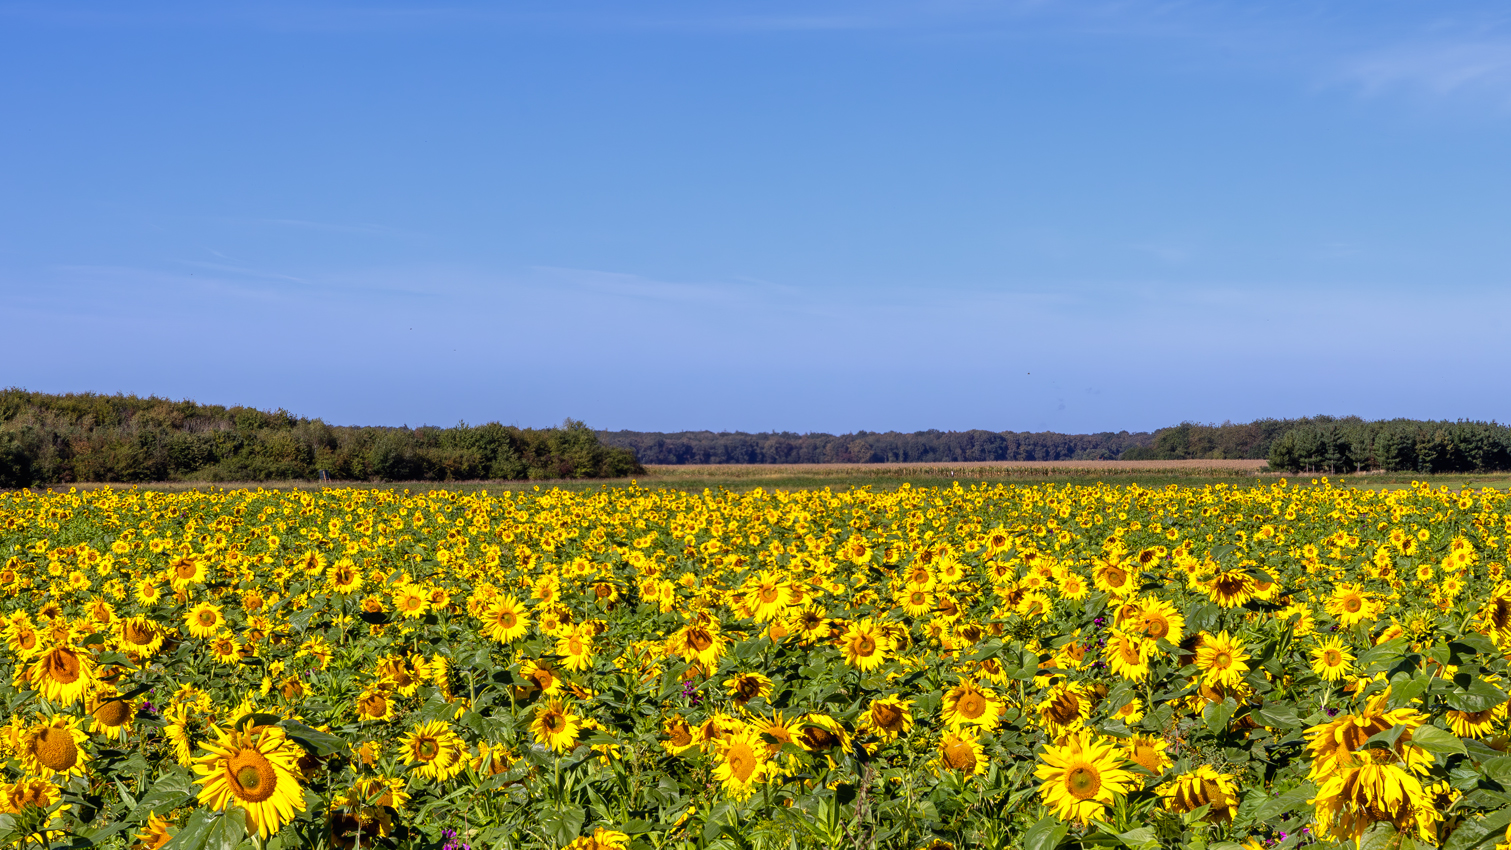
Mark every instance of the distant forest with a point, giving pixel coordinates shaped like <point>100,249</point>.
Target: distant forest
<point>685,447</point>
<point>60,439</point>
<point>1314,444</point>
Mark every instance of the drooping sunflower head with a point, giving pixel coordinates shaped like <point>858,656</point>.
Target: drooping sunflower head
<point>962,752</point>
<point>54,747</point>
<point>111,715</point>
<point>1065,707</point>
<point>63,674</point>
<point>889,718</point>
<point>1203,786</point>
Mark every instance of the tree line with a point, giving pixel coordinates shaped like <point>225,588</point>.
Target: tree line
<point>59,439</point>
<point>1350,444</point>
<point>700,447</point>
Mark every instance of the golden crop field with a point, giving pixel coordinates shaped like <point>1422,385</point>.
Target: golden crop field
<point>993,665</point>
<point>962,469</point>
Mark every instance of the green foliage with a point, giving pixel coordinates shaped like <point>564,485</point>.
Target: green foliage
<point>61,439</point>
<point>1398,445</point>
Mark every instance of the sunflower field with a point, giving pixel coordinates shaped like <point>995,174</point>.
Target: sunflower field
<point>1203,667</point>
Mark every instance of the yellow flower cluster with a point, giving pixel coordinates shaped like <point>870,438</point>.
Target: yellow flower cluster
<point>555,668</point>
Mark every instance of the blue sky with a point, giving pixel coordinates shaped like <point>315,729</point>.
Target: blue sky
<point>819,216</point>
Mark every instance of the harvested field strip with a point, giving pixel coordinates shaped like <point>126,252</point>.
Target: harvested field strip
<point>977,469</point>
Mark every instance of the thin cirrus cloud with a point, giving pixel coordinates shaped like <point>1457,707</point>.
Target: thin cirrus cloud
<point>1461,68</point>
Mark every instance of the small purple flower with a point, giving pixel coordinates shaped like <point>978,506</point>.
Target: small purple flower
<point>690,692</point>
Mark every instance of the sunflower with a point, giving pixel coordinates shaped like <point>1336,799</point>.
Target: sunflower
<point>864,645</point>
<point>1073,587</point>
<point>225,650</point>
<point>412,602</point>
<point>42,794</point>
<point>770,596</point>
<point>576,649</point>
<point>677,735</point>
<point>961,751</point>
<point>437,750</point>
<point>555,726</point>
<point>154,833</point>
<point>1221,660</point>
<point>1231,588</point>
<point>22,638</point>
<point>1065,708</point>
<point>1148,752</point>
<point>205,620</point>
<point>109,714</point>
<point>1496,614</point>
<point>1034,606</point>
<point>506,620</point>
<point>812,623</point>
<point>822,734</point>
<point>62,674</point>
<point>1350,605</point>
<point>916,602</point>
<point>1082,777</point>
<point>1128,655</point>
<point>741,763</point>
<point>185,571</point>
<point>344,577</point>
<point>375,703</point>
<point>1115,579</point>
<point>601,839</point>
<point>383,791</point>
<point>888,718</point>
<point>1159,620</point>
<point>255,771</point>
<point>1203,786</point>
<point>1335,746</point>
<point>966,704</point>
<point>400,675</point>
<point>1332,660</point>
<point>1475,724</point>
<point>139,636</point>
<point>148,592</point>
<point>747,686</point>
<point>54,748</point>
<point>1351,800</point>
<point>699,641</point>
<point>541,676</point>
<point>1131,712</point>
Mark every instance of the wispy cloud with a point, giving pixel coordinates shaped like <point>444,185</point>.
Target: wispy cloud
<point>1444,68</point>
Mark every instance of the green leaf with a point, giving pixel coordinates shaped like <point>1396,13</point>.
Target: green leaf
<point>194,833</point>
<point>1435,740</point>
<point>168,793</point>
<point>1385,740</point>
<point>1278,716</point>
<point>563,825</point>
<point>1406,690</point>
<point>1479,696</point>
<point>1141,838</point>
<point>227,831</point>
<point>320,743</point>
<point>1046,834</point>
<point>1498,769</point>
<point>1217,715</point>
<point>1475,833</point>
<point>1380,836</point>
